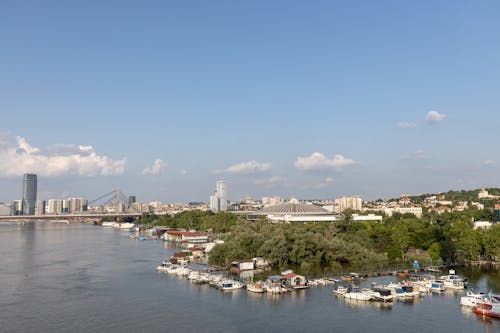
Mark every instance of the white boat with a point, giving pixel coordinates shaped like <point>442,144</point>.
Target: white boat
<point>489,307</point>
<point>231,285</point>
<point>341,290</point>
<point>108,224</point>
<point>202,278</point>
<point>399,290</point>
<point>164,266</point>
<point>357,294</point>
<point>215,279</point>
<point>436,285</point>
<point>257,287</point>
<point>472,299</point>
<point>173,269</point>
<point>381,294</point>
<point>183,271</point>
<point>276,289</point>
<point>453,281</point>
<point>193,275</point>
<point>124,225</point>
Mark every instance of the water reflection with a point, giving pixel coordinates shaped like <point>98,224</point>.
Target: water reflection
<point>353,303</point>
<point>59,278</point>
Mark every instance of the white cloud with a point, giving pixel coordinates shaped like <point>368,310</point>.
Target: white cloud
<point>318,161</point>
<point>328,180</point>
<point>269,181</point>
<point>183,172</point>
<point>249,167</point>
<point>488,162</point>
<point>434,117</point>
<point>156,168</point>
<point>17,157</point>
<point>407,124</point>
<point>418,154</point>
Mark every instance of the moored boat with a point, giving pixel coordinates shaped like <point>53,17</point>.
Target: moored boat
<point>257,287</point>
<point>472,299</point>
<point>436,285</point>
<point>163,266</point>
<point>453,281</point>
<point>340,290</point>
<point>357,294</point>
<point>382,294</point>
<point>231,285</point>
<point>489,307</point>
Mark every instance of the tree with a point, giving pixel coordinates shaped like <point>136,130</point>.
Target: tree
<point>400,239</point>
<point>434,251</point>
<point>492,241</point>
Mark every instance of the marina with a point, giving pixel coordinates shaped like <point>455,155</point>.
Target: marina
<point>83,278</point>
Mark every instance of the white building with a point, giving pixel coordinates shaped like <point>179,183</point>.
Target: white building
<point>483,194</point>
<point>18,207</point>
<point>77,205</point>
<point>39,207</point>
<point>218,201</point>
<point>293,211</point>
<point>271,201</point>
<point>369,217</point>
<point>354,203</point>
<point>417,211</point>
<point>482,224</point>
<point>54,206</point>
<point>6,209</point>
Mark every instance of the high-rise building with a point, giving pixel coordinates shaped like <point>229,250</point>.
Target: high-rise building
<point>354,203</point>
<point>214,205</point>
<point>77,205</point>
<point>54,206</point>
<point>6,209</point>
<point>131,200</point>
<point>218,201</point>
<point>40,207</point>
<point>18,207</point>
<point>221,187</point>
<point>29,193</point>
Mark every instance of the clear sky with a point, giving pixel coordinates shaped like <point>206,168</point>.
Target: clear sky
<point>311,99</point>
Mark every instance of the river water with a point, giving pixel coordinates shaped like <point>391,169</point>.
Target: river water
<point>83,278</point>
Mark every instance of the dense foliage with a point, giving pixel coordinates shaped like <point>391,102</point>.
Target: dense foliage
<point>194,219</point>
<point>304,246</point>
<point>317,247</point>
<point>398,240</point>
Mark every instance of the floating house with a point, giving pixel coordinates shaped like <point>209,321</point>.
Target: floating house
<point>185,236</point>
<point>295,281</point>
<point>242,265</point>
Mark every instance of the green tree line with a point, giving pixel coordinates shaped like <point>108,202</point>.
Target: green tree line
<point>447,238</point>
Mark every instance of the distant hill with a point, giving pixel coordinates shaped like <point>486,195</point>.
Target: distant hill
<point>461,195</point>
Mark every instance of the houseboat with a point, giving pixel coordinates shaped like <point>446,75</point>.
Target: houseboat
<point>229,285</point>
<point>472,299</point>
<point>453,281</point>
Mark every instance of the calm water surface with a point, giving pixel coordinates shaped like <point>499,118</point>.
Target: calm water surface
<point>84,278</point>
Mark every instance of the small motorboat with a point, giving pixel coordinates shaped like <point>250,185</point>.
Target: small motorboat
<point>231,285</point>
<point>489,307</point>
<point>257,287</point>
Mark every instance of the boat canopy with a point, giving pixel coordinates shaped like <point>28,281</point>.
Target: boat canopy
<point>275,278</point>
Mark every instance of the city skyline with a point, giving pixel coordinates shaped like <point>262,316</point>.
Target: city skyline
<point>298,100</point>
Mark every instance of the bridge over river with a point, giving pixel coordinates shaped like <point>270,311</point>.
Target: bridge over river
<point>71,218</point>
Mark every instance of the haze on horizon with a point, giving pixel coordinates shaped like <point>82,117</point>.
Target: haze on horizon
<point>305,99</point>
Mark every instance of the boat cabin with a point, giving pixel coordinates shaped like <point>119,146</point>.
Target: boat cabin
<point>295,281</point>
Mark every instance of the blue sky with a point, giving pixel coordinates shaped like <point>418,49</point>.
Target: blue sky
<point>312,99</point>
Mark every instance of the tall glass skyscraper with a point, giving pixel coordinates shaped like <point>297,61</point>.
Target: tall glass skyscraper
<point>29,193</point>
<point>218,201</point>
<point>221,187</point>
